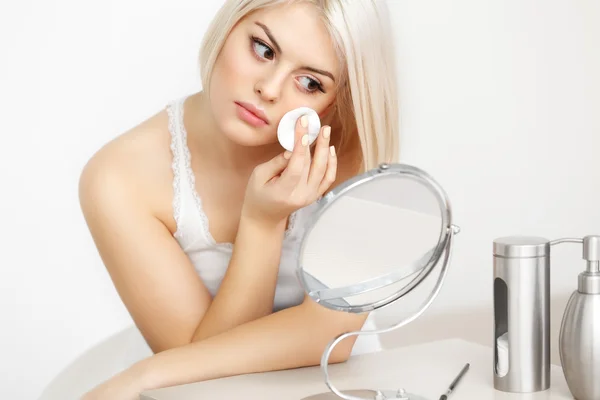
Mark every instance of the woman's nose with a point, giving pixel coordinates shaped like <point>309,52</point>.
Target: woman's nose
<point>269,88</point>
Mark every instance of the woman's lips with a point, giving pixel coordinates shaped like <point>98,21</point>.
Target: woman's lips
<point>250,114</point>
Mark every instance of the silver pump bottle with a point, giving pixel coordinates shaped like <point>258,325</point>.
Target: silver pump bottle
<point>579,338</point>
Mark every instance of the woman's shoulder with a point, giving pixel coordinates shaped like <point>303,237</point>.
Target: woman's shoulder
<point>134,167</point>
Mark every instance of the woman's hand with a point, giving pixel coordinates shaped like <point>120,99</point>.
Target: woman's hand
<point>127,385</point>
<point>293,180</point>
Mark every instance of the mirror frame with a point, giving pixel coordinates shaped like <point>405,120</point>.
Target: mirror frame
<point>382,171</point>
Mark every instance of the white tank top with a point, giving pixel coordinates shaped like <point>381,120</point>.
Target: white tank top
<point>211,259</point>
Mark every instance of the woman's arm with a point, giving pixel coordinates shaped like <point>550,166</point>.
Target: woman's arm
<point>292,338</point>
<point>152,275</point>
<point>248,288</point>
<point>154,278</point>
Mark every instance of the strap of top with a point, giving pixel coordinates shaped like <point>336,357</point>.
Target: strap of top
<point>192,222</point>
<point>174,112</point>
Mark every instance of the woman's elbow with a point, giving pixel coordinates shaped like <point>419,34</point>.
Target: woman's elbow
<point>333,324</point>
<point>342,352</point>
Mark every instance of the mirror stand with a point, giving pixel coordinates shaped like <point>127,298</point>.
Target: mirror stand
<point>394,215</point>
<point>378,394</point>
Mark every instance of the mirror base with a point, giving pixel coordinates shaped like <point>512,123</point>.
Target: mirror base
<point>367,395</point>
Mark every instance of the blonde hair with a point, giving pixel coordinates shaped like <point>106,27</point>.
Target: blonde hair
<point>366,107</point>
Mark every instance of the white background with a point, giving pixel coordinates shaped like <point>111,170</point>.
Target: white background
<point>500,103</point>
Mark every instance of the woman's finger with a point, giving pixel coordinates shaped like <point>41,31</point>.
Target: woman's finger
<point>330,174</point>
<point>293,172</point>
<point>320,159</point>
<point>275,166</point>
<point>306,166</point>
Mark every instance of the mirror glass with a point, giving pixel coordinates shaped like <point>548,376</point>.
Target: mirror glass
<point>372,241</point>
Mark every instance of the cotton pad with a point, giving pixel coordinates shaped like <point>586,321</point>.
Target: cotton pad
<point>287,127</point>
<point>502,363</point>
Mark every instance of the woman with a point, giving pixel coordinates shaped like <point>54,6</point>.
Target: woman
<point>165,201</point>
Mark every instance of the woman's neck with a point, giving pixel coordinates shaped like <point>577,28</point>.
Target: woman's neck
<point>204,134</point>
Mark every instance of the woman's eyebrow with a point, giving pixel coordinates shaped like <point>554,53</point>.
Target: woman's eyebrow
<point>278,48</point>
<point>319,71</point>
<point>270,35</point>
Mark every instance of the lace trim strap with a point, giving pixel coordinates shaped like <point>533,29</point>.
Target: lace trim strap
<point>191,181</point>
<point>172,110</point>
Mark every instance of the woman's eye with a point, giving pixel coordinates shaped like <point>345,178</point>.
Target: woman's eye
<point>310,85</point>
<point>262,50</point>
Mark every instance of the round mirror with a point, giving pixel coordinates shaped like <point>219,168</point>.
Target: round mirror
<point>371,241</point>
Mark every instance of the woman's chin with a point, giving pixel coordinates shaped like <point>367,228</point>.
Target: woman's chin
<point>244,135</point>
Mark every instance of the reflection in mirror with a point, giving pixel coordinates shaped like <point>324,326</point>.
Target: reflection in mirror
<point>371,242</point>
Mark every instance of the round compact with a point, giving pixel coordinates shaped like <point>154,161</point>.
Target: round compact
<point>287,127</point>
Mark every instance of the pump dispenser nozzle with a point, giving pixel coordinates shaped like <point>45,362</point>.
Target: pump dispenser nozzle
<point>591,253</point>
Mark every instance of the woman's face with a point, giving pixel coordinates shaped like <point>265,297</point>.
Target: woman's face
<point>273,61</point>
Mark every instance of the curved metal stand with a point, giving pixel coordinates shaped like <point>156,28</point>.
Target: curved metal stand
<point>386,394</point>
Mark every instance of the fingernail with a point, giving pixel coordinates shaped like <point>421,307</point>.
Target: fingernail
<point>287,155</point>
<point>327,132</point>
<point>304,121</point>
<point>332,151</point>
<point>304,140</point>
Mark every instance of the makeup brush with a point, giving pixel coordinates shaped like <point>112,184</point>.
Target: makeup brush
<point>455,382</point>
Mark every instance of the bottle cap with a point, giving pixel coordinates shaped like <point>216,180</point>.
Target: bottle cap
<point>521,246</point>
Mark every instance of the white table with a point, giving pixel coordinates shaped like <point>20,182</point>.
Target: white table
<point>425,369</point>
